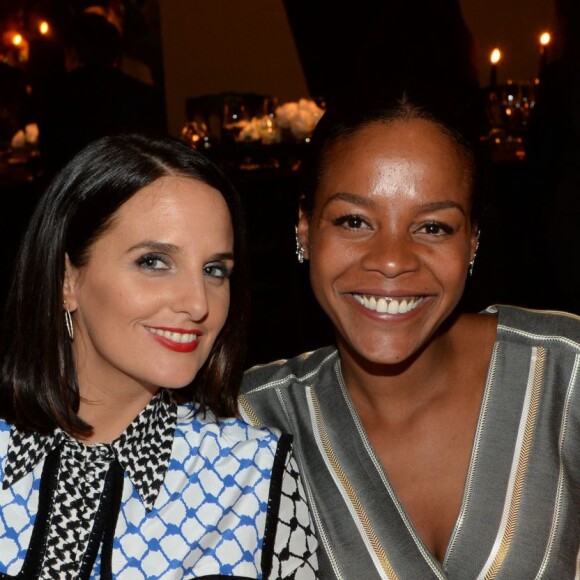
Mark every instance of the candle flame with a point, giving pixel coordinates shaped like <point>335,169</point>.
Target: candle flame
<point>17,40</point>
<point>495,56</point>
<point>43,27</point>
<point>545,38</point>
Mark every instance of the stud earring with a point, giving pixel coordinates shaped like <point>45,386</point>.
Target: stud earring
<point>68,322</point>
<point>299,247</point>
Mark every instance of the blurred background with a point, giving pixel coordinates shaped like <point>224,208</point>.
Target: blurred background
<point>246,83</point>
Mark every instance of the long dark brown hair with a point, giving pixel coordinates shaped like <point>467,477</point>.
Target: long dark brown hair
<point>38,383</point>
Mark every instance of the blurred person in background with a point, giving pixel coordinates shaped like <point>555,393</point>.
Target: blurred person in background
<point>95,97</point>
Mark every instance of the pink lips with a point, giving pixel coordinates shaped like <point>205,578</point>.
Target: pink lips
<point>174,345</point>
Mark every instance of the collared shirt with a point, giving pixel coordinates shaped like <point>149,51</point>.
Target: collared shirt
<point>178,494</point>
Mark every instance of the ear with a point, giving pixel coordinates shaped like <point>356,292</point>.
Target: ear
<point>303,229</point>
<point>475,232</point>
<point>70,284</point>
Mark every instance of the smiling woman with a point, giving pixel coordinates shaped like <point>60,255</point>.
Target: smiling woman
<point>121,454</point>
<point>434,443</point>
<point>149,281</point>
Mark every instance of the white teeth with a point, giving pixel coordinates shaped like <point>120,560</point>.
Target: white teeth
<point>174,336</point>
<point>388,305</point>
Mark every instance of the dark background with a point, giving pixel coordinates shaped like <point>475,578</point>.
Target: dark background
<point>529,246</point>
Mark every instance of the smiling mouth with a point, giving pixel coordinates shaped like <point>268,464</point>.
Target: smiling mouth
<point>385,305</point>
<point>179,337</point>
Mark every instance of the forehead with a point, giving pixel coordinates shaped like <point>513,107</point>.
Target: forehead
<point>171,196</point>
<point>173,208</point>
<point>391,156</point>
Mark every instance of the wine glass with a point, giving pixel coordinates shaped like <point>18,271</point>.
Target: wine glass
<point>235,117</point>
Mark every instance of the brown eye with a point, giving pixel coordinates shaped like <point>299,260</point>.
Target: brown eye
<point>435,229</point>
<point>353,222</point>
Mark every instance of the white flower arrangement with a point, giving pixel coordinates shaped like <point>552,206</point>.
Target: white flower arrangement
<point>295,119</point>
<point>299,117</point>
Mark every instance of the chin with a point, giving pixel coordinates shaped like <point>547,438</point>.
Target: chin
<point>383,354</point>
<point>172,381</point>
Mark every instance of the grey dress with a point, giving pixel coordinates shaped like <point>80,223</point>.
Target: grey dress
<point>520,515</point>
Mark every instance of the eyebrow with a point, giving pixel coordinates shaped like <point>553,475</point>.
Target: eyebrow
<point>350,198</point>
<point>156,246</point>
<point>166,248</point>
<point>369,203</point>
<point>437,205</point>
<point>223,256</point>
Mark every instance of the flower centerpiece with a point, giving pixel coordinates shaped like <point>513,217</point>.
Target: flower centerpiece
<point>292,121</point>
<point>298,119</point>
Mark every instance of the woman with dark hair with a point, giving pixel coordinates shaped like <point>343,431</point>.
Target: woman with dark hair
<point>121,354</point>
<point>433,443</point>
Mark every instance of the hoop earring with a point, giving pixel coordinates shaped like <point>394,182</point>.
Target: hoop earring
<point>68,322</point>
<point>299,247</point>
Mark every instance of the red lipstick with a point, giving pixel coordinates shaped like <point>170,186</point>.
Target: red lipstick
<point>172,344</point>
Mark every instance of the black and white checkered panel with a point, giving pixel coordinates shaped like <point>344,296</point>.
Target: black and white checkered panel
<point>81,478</point>
<point>295,530</point>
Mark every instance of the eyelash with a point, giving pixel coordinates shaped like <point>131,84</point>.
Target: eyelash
<point>213,270</point>
<point>146,260</point>
<point>445,229</point>
<point>348,219</point>
<point>223,272</point>
<point>356,222</point>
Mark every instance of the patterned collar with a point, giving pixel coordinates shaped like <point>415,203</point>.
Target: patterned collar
<point>143,450</point>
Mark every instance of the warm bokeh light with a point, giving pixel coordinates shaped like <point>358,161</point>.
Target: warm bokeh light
<point>44,27</point>
<point>495,56</point>
<point>545,38</point>
<point>17,39</point>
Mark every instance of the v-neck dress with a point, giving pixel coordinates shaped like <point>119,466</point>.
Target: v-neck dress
<point>520,515</point>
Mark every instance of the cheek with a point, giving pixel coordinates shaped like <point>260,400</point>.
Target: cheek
<point>450,267</point>
<point>331,256</point>
<point>116,300</point>
<point>219,304</point>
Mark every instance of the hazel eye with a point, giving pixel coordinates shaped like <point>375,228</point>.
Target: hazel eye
<point>220,271</point>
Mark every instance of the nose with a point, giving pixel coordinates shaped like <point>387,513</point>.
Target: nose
<point>391,254</point>
<point>190,297</point>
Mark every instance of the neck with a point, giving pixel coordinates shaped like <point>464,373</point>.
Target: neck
<point>400,389</point>
<point>109,414</point>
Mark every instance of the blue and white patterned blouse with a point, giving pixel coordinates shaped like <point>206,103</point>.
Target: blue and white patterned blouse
<point>178,495</point>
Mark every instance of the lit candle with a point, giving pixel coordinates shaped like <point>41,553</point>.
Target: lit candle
<point>44,27</point>
<point>494,59</point>
<point>545,39</point>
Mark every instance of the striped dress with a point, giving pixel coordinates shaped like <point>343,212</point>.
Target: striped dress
<point>520,514</point>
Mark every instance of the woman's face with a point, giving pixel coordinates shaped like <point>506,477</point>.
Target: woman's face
<point>389,239</point>
<point>155,293</point>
